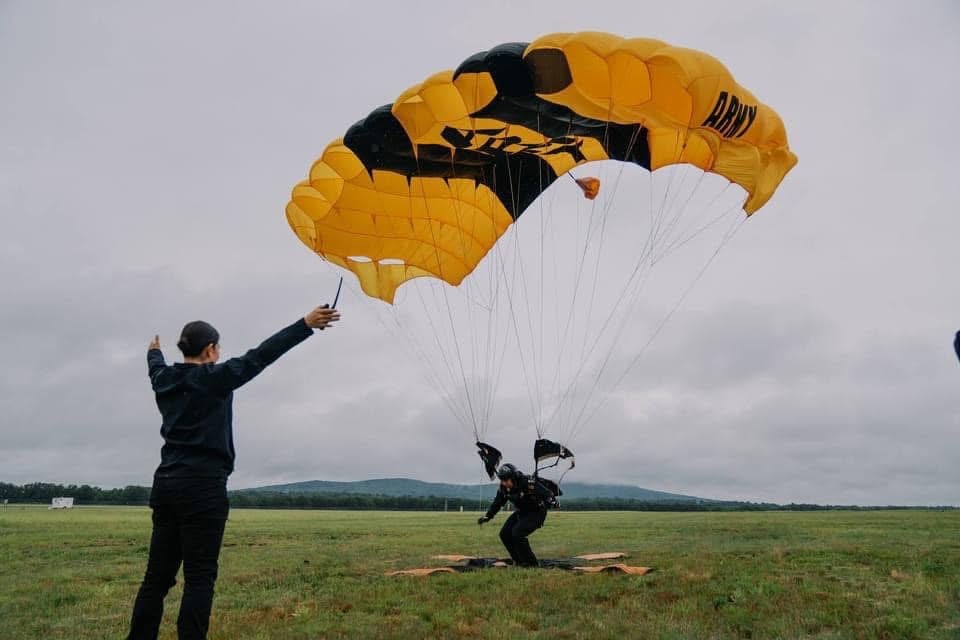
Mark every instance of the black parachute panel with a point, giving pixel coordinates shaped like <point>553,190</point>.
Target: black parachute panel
<point>491,457</point>
<point>544,449</point>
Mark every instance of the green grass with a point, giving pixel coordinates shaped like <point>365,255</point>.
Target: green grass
<point>320,574</point>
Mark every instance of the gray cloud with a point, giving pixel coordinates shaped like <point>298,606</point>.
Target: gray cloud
<point>146,156</point>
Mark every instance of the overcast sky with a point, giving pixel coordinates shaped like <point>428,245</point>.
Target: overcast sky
<point>147,153</point>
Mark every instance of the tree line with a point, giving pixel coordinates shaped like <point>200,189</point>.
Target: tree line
<point>43,493</point>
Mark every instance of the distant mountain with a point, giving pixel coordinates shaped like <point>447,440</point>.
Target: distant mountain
<point>481,492</point>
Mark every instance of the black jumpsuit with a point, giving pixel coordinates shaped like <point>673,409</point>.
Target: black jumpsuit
<point>530,500</point>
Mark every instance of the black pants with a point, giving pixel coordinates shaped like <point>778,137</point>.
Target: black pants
<point>189,515</point>
<point>514,534</point>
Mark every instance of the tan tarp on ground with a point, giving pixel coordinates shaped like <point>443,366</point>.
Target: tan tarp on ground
<point>420,572</point>
<point>616,568</point>
<point>609,568</point>
<point>610,555</point>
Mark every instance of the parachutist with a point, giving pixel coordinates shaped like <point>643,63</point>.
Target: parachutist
<point>530,499</point>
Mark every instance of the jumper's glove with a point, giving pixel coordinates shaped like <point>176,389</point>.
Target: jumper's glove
<point>482,519</point>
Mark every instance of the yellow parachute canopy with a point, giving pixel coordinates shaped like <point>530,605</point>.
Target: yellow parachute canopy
<point>427,185</point>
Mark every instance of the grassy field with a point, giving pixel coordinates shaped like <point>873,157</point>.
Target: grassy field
<point>320,574</point>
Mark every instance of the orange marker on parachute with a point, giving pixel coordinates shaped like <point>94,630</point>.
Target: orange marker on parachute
<point>590,186</point>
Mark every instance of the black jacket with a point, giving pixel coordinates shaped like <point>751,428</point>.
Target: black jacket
<point>526,495</point>
<point>196,402</point>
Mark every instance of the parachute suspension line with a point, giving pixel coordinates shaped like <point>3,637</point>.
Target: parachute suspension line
<point>496,367</point>
<point>537,408</point>
<point>571,316</point>
<point>605,216</point>
<point>431,366</point>
<point>571,306</point>
<point>487,348</point>
<point>658,218</point>
<point>495,322</point>
<point>574,293</point>
<point>605,213</point>
<point>549,283</point>
<point>542,285</point>
<point>636,281</point>
<point>508,288</point>
<point>680,241</point>
<point>456,342</point>
<point>449,313</point>
<point>456,408</point>
<point>492,361</point>
<point>658,213</point>
<point>620,301</point>
<point>559,401</point>
<point>535,339</point>
<point>725,239</point>
<point>479,373</point>
<point>492,316</point>
<point>674,221</point>
<point>420,354</point>
<point>555,270</point>
<point>572,309</point>
<point>555,284</point>
<point>494,319</point>
<point>432,376</point>
<point>672,228</point>
<point>596,272</point>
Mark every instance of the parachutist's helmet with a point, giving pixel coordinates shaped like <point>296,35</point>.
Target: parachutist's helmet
<point>507,472</point>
